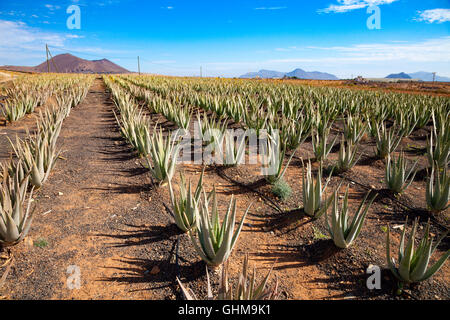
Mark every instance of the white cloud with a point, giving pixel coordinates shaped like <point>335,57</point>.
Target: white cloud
<point>23,45</point>
<point>434,15</point>
<point>52,7</point>
<point>349,5</point>
<point>431,50</point>
<point>378,57</point>
<point>74,36</point>
<point>19,35</point>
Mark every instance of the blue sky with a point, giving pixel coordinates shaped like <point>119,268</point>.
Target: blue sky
<point>229,38</point>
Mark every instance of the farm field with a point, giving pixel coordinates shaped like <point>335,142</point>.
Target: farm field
<point>442,89</point>
<point>104,206</point>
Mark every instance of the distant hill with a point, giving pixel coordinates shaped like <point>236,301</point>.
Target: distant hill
<point>427,76</point>
<point>421,75</point>
<point>400,75</point>
<point>265,74</point>
<point>297,73</point>
<point>67,63</point>
<point>315,75</point>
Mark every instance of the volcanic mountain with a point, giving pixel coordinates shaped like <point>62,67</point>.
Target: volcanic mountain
<point>67,63</point>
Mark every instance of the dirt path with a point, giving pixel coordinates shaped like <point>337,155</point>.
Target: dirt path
<point>90,194</point>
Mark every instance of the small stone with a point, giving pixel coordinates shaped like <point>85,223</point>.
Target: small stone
<point>155,270</point>
<point>28,241</point>
<point>60,193</point>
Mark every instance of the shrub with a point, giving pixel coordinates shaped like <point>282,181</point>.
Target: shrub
<point>282,189</point>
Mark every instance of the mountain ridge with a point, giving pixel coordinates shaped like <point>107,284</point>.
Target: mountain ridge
<point>67,63</point>
<point>297,73</point>
<point>427,76</point>
<point>400,75</point>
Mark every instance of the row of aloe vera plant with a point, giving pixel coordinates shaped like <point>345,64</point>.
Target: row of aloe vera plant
<point>196,213</point>
<point>405,118</point>
<point>318,125</point>
<point>35,156</point>
<point>387,140</point>
<point>28,92</point>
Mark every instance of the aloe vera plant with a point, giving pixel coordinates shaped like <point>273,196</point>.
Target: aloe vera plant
<point>387,140</point>
<point>274,156</point>
<point>39,155</point>
<point>406,122</point>
<point>164,153</point>
<point>440,151</point>
<point>313,192</point>
<point>397,175</point>
<point>438,189</point>
<point>12,112</point>
<point>354,129</point>
<point>181,116</point>
<point>216,240</point>
<point>65,103</point>
<point>216,136</point>
<point>320,145</point>
<point>134,127</point>
<point>234,151</point>
<point>347,156</point>
<point>293,132</point>
<point>343,233</point>
<point>247,287</point>
<point>413,263</point>
<point>421,115</point>
<point>185,208</point>
<point>211,129</point>
<point>15,220</point>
